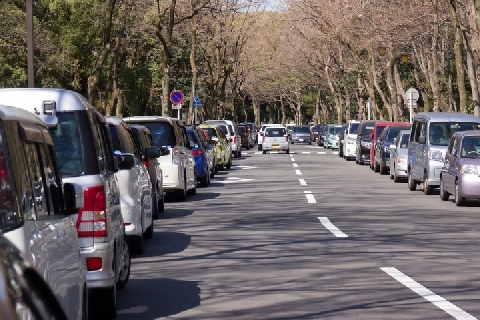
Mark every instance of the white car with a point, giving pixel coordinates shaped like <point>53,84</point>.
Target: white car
<point>275,138</point>
<point>261,132</point>
<point>135,187</point>
<point>350,140</point>
<point>178,165</point>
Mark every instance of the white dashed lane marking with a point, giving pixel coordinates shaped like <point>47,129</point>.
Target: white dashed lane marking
<point>437,300</point>
<point>295,165</point>
<point>293,159</point>
<point>302,182</point>
<point>310,197</point>
<point>327,224</point>
<point>298,172</point>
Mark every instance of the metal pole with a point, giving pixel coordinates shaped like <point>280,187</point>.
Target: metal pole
<point>194,117</point>
<point>368,108</point>
<point>410,104</point>
<point>179,114</point>
<point>30,71</point>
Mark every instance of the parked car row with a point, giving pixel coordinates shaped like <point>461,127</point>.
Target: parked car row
<point>438,150</point>
<point>80,192</point>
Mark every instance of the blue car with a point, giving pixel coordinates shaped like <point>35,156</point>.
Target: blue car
<point>202,171</point>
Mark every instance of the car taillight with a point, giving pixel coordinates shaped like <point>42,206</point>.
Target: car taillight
<point>234,139</point>
<point>146,164</point>
<point>197,152</point>
<point>286,138</point>
<point>92,218</point>
<point>94,263</point>
<point>175,156</point>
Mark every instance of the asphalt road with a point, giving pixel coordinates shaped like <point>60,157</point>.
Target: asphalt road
<point>307,236</point>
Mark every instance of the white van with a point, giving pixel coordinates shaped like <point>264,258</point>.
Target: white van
<point>32,205</point>
<point>350,144</point>
<point>430,135</point>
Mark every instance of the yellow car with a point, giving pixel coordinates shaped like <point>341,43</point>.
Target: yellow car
<point>224,153</point>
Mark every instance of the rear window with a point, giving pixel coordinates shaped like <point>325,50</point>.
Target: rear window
<point>66,138</point>
<point>211,132</point>
<point>275,132</point>
<point>393,132</point>
<point>379,130</point>
<point>163,134</point>
<point>301,129</point>
<point>404,142</point>
<point>367,129</point>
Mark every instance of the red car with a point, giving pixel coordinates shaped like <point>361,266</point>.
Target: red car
<point>377,129</point>
<point>244,133</point>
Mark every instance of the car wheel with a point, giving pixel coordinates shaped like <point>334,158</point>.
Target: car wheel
<point>382,168</point>
<point>204,180</point>
<point>154,207</point>
<point>212,173</point>
<point>459,200</point>
<point>247,147</point>
<point>102,303</point>
<point>288,151</point>
<point>229,164</point>
<point>259,147</point>
<point>161,203</point>
<point>292,142</point>
<point>125,261</point>
<point>137,244</point>
<point>412,185</point>
<point>309,142</point>
<point>264,152</point>
<point>239,153</point>
<point>443,193</point>
<point>426,188</point>
<point>376,167</point>
<point>149,232</point>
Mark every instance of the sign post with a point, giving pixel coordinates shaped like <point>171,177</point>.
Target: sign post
<point>196,104</point>
<point>176,97</point>
<point>412,96</point>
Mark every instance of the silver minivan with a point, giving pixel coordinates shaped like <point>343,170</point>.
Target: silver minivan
<point>84,152</point>
<point>430,135</point>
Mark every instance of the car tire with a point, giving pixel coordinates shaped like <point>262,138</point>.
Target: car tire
<point>155,207</point>
<point>239,153</point>
<point>229,164</point>
<point>161,204</point>
<point>125,262</point>
<point>427,189</point>
<point>247,147</point>
<point>309,142</point>
<point>376,167</point>
<point>382,168</point>
<point>412,185</point>
<point>259,147</point>
<point>137,243</point>
<point>443,193</point>
<point>264,152</point>
<point>149,232</point>
<point>212,173</point>
<point>459,200</point>
<point>288,151</point>
<point>293,142</point>
<point>102,303</point>
<point>204,180</point>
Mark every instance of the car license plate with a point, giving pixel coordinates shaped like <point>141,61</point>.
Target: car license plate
<point>275,145</point>
<point>301,140</point>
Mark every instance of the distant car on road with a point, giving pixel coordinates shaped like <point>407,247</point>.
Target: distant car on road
<point>399,156</point>
<point>301,134</point>
<point>275,138</point>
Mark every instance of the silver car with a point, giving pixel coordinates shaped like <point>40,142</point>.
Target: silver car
<point>399,156</point>
<point>275,139</point>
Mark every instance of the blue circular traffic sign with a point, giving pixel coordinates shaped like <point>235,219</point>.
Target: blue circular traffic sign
<point>176,96</point>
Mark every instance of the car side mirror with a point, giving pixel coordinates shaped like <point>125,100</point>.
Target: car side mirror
<point>152,153</point>
<point>421,139</point>
<point>125,161</point>
<point>165,151</point>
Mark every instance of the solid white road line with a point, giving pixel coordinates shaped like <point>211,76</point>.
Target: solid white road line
<point>293,159</point>
<point>298,172</point>
<point>438,301</point>
<point>295,165</point>
<point>310,197</point>
<point>327,224</point>
<point>302,182</point>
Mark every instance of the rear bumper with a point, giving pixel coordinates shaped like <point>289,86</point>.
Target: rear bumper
<point>266,146</point>
<point>103,278</point>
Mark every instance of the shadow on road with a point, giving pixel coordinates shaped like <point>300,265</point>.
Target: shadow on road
<point>164,243</point>
<point>171,213</point>
<point>160,298</point>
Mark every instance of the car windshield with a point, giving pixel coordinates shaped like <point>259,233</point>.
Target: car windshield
<point>440,133</point>
<point>367,130</point>
<point>162,133</point>
<point>275,132</point>
<point>470,147</point>
<point>393,132</point>
<point>404,141</point>
<point>66,138</point>
<point>354,128</point>
<point>211,132</point>
<point>301,129</point>
<point>379,130</point>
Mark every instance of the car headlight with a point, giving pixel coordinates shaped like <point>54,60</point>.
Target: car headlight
<point>469,169</point>
<point>435,155</point>
<point>365,144</point>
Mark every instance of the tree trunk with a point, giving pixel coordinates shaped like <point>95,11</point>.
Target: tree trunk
<point>434,69</point>
<point>94,78</point>
<point>193,66</point>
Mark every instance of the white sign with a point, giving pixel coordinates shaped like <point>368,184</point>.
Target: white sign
<point>412,93</point>
<point>177,106</point>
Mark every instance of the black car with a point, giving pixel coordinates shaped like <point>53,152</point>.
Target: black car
<point>317,131</point>
<point>382,146</point>
<point>364,141</point>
